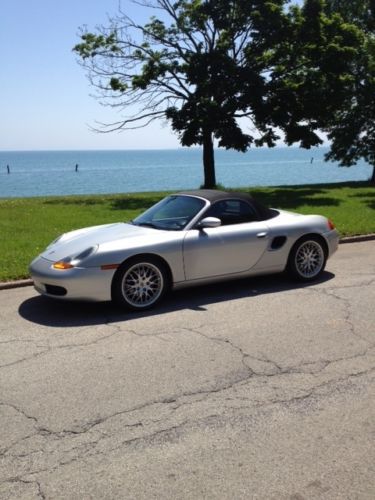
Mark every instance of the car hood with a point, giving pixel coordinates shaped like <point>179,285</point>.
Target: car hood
<point>119,234</point>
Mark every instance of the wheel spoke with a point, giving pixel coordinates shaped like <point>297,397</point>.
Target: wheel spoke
<point>142,284</point>
<point>309,259</point>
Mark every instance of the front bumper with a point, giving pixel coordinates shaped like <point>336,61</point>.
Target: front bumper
<point>78,283</point>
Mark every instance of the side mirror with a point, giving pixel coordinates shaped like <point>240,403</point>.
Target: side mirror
<point>208,222</point>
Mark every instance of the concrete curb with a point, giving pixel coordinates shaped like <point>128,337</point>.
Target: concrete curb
<point>357,239</point>
<point>8,285</point>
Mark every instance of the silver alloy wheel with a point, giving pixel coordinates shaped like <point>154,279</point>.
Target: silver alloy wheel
<point>309,259</point>
<point>142,284</point>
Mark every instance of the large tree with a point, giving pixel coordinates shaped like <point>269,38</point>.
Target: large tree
<point>206,64</point>
<point>351,128</point>
<point>360,12</point>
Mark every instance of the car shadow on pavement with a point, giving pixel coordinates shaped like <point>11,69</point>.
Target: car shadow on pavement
<point>53,313</point>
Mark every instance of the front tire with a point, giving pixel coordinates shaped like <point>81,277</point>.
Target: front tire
<point>307,259</point>
<point>140,284</point>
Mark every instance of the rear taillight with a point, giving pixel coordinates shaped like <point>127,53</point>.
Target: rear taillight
<point>330,224</point>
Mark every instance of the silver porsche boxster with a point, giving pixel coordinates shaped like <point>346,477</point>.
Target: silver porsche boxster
<point>187,238</point>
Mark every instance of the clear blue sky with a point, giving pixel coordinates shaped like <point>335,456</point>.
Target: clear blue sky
<point>45,98</point>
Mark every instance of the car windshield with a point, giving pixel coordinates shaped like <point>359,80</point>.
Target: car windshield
<point>172,213</point>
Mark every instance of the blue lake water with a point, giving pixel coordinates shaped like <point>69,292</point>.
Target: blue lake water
<point>39,173</point>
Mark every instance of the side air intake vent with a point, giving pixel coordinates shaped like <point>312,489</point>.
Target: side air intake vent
<point>278,242</point>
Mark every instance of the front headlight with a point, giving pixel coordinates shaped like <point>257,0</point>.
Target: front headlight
<point>70,262</point>
<point>86,253</point>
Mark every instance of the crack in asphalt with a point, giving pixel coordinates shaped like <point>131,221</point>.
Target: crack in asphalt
<point>173,400</point>
<point>322,363</point>
<point>333,293</point>
<point>176,402</point>
<point>226,341</point>
<point>89,449</point>
<point>51,348</point>
<point>18,410</point>
<point>19,479</point>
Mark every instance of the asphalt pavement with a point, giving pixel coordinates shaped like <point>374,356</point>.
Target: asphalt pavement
<point>256,389</point>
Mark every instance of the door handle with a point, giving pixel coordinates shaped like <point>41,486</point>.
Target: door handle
<point>263,234</point>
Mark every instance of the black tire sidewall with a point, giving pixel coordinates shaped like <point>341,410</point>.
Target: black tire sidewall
<point>117,291</point>
<point>291,266</point>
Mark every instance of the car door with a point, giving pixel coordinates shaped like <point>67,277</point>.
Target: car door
<point>234,247</point>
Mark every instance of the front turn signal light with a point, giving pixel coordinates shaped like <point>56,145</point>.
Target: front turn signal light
<point>62,265</point>
<point>331,225</point>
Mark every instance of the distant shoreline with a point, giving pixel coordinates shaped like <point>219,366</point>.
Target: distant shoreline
<point>182,148</point>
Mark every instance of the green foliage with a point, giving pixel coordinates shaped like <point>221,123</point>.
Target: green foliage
<point>92,44</point>
<point>117,85</point>
<point>361,12</point>
<point>310,82</point>
<point>351,126</point>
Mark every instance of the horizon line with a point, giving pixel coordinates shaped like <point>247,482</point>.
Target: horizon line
<point>181,148</point>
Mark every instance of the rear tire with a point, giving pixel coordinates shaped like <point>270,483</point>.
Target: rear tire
<point>307,259</point>
<point>140,283</point>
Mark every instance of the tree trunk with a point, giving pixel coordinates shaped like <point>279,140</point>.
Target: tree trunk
<point>208,161</point>
<point>372,179</point>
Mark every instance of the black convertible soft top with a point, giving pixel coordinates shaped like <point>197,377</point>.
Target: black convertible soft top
<point>212,195</point>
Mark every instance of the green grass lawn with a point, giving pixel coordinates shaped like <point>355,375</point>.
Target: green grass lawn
<point>27,225</point>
